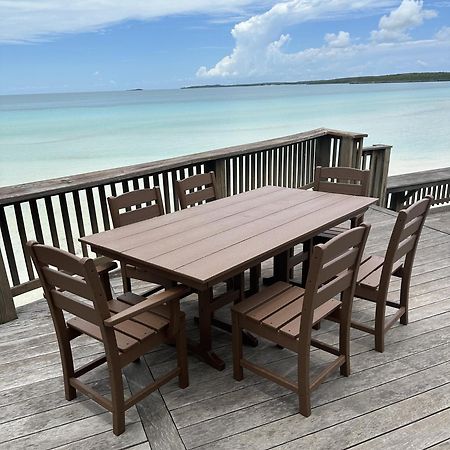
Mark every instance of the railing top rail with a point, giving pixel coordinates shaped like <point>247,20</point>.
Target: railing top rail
<point>377,147</point>
<point>44,188</point>
<point>413,180</point>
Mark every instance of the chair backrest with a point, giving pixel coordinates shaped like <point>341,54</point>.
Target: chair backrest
<point>70,284</point>
<point>342,180</point>
<point>197,189</point>
<point>147,204</point>
<point>333,270</point>
<point>404,239</point>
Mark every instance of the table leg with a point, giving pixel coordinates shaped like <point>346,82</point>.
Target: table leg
<point>308,248</point>
<point>281,267</point>
<point>204,348</point>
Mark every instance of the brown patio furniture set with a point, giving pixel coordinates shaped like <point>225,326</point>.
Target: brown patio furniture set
<point>197,248</point>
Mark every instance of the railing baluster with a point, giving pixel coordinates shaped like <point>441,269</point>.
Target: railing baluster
<point>104,207</point>
<point>23,239</point>
<point>36,221</point>
<point>9,248</point>
<point>66,222</point>
<point>51,221</point>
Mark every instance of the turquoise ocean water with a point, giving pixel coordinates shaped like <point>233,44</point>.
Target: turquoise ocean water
<point>49,135</point>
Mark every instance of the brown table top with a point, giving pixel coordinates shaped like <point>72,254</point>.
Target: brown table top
<point>209,243</point>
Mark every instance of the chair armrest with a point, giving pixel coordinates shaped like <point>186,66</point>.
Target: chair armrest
<point>169,295</point>
<point>104,264</point>
<point>307,186</point>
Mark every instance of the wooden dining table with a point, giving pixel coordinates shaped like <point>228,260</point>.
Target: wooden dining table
<point>217,241</point>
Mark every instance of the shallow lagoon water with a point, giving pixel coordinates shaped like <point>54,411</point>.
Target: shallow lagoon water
<point>49,135</point>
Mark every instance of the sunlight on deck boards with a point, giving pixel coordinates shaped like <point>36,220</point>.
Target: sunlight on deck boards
<point>392,400</point>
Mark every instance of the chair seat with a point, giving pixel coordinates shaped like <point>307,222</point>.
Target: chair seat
<point>279,308</point>
<point>132,331</point>
<point>369,275</point>
<point>331,233</point>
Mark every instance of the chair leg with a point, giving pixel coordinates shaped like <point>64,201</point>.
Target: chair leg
<point>117,397</point>
<point>304,392</point>
<point>238,373</point>
<point>380,313</point>
<point>344,345</point>
<point>404,299</point>
<point>126,282</point>
<point>255,275</point>
<point>181,344</point>
<point>65,352</point>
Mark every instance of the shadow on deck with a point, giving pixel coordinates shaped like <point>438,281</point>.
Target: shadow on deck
<point>397,399</point>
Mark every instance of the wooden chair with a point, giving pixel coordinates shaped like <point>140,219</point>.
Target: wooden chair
<point>128,327</point>
<point>147,203</point>
<point>336,180</point>
<point>285,314</point>
<point>376,272</point>
<point>196,189</point>
<point>341,180</point>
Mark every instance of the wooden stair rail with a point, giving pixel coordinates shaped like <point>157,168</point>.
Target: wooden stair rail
<point>61,210</point>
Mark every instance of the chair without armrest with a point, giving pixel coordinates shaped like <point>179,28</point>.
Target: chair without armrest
<point>196,189</point>
<point>147,204</point>
<point>285,314</point>
<point>341,180</point>
<point>72,285</point>
<point>335,180</point>
<point>376,272</point>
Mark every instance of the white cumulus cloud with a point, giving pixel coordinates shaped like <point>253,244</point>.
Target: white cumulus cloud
<point>257,38</point>
<point>261,43</point>
<point>342,39</point>
<point>395,26</point>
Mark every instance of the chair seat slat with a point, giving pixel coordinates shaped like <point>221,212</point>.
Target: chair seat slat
<point>124,342</point>
<point>274,304</point>
<point>261,297</point>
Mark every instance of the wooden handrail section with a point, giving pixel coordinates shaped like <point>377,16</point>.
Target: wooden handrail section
<point>60,210</point>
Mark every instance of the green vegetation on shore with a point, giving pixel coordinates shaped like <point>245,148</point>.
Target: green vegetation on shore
<point>414,77</point>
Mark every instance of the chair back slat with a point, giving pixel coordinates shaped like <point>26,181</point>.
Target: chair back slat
<point>404,239</point>
<point>196,189</point>
<point>46,256</point>
<point>342,180</point>
<point>136,215</point>
<point>405,247</point>
<point>200,196</point>
<point>147,203</point>
<point>54,267</point>
<point>411,228</point>
<point>338,265</point>
<point>63,301</point>
<point>65,282</point>
<point>334,287</point>
<point>334,267</point>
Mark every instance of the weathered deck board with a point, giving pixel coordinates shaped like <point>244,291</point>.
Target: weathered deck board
<point>398,399</point>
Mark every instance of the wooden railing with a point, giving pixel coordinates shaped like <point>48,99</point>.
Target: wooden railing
<point>376,159</point>
<point>404,190</point>
<point>61,210</point>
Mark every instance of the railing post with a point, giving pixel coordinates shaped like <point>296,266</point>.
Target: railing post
<point>350,152</point>
<point>323,151</point>
<point>379,167</point>
<point>218,166</point>
<point>7,308</point>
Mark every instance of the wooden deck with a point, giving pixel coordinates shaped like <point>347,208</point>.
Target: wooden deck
<point>399,399</point>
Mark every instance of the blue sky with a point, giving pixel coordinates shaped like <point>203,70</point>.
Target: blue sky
<point>89,45</point>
